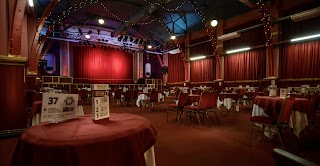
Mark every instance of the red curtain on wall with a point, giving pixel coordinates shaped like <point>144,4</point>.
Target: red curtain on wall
<point>203,70</point>
<point>300,60</point>
<point>97,65</point>
<point>245,66</point>
<point>175,68</point>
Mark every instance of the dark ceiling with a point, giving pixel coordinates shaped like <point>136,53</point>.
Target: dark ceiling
<point>151,20</point>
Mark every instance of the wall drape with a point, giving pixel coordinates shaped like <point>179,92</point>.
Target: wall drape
<point>245,66</point>
<point>97,65</point>
<point>300,60</point>
<point>175,68</point>
<point>203,70</point>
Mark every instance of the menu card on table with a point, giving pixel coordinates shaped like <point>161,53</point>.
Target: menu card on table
<point>57,107</point>
<point>100,102</point>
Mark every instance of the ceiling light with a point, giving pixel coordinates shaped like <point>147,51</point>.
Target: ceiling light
<point>101,21</point>
<point>87,36</point>
<point>173,37</point>
<point>197,58</point>
<point>214,23</point>
<point>149,46</point>
<point>305,38</point>
<point>30,3</point>
<point>238,50</point>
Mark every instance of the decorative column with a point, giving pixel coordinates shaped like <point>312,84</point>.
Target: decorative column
<point>64,59</point>
<point>13,116</point>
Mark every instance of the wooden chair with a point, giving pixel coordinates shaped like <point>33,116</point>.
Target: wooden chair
<point>272,122</point>
<point>178,108</point>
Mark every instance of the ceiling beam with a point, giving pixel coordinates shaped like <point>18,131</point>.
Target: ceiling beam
<point>249,4</point>
<point>142,14</point>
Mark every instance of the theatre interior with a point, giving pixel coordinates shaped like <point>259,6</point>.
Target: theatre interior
<point>159,82</point>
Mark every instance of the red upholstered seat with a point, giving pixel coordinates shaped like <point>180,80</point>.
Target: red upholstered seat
<point>172,105</point>
<point>192,107</point>
<point>178,108</point>
<point>275,123</point>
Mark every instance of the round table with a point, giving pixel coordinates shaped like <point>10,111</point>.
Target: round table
<point>120,141</point>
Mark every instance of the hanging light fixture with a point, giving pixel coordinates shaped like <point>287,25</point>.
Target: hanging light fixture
<point>30,3</point>
<point>101,21</point>
<point>214,23</point>
<point>87,36</point>
<point>173,37</point>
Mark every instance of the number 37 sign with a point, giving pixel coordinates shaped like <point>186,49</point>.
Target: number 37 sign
<point>58,107</point>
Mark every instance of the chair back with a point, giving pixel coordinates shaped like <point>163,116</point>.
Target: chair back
<point>183,99</point>
<point>154,96</point>
<point>129,94</point>
<point>117,93</point>
<point>204,98</point>
<point>286,110</point>
<point>135,93</point>
<point>314,102</point>
<point>213,98</point>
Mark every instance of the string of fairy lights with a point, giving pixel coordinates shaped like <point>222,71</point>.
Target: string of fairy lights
<point>205,22</point>
<point>85,3</point>
<point>163,7</point>
<point>266,20</point>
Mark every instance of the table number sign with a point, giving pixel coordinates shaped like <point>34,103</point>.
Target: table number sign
<point>100,102</point>
<point>57,107</point>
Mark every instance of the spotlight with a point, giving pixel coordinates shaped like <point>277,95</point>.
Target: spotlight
<point>173,37</point>
<point>120,38</point>
<point>80,31</point>
<point>214,23</point>
<point>149,46</point>
<point>87,36</point>
<point>125,39</point>
<point>89,32</point>
<point>136,41</point>
<point>101,21</point>
<point>131,39</point>
<point>141,40</point>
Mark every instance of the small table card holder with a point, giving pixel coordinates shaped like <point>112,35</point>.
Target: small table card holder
<point>58,107</point>
<point>100,102</point>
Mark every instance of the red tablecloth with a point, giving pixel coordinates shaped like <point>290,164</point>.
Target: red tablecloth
<point>272,105</point>
<point>121,141</point>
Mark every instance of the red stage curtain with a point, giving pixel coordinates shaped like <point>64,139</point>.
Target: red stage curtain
<point>300,60</point>
<point>245,66</point>
<point>175,68</point>
<point>203,70</point>
<point>97,65</point>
